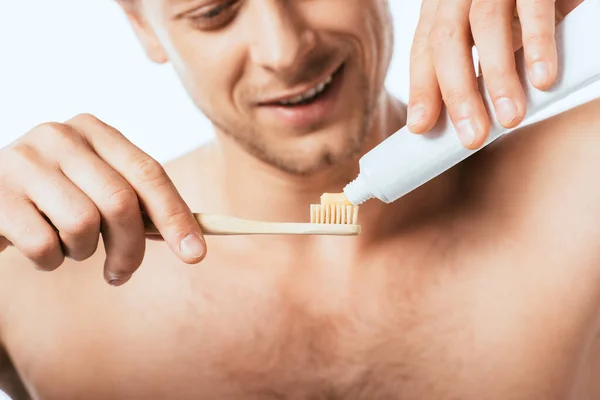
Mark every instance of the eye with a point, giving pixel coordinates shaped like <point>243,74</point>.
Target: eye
<point>216,16</point>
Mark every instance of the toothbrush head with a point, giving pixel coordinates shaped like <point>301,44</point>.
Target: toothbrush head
<point>334,209</point>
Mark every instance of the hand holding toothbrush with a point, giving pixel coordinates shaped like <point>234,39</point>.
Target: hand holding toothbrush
<point>62,185</point>
<point>442,65</point>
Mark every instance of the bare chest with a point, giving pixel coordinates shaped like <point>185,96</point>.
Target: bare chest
<point>457,328</point>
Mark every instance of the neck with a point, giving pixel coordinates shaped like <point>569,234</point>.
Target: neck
<point>249,188</point>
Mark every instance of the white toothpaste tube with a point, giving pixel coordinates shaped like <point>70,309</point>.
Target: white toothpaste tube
<point>405,161</point>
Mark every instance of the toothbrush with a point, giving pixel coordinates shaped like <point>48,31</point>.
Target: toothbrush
<point>405,161</point>
<point>334,216</point>
<point>212,224</point>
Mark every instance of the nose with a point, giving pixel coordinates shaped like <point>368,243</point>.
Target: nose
<point>280,38</point>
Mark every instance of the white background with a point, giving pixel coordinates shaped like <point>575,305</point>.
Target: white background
<point>62,57</point>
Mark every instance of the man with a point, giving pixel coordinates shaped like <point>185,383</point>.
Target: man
<point>482,284</point>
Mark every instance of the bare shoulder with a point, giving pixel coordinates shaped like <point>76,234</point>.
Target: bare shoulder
<point>551,165</point>
<point>191,172</point>
<point>194,161</point>
<point>534,203</point>
<point>540,185</point>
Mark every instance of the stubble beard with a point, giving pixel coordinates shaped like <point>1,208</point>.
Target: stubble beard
<point>323,158</point>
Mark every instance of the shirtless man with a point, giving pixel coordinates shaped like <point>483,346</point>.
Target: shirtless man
<point>482,284</point>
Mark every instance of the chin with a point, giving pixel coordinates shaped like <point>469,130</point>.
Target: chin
<point>313,154</point>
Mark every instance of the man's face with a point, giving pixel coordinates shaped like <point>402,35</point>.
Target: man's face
<point>295,82</point>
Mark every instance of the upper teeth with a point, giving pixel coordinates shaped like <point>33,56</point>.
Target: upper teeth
<point>309,93</point>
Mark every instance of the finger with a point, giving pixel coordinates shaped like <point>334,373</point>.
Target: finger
<point>492,32</point>
<point>121,223</point>
<point>157,194</point>
<point>124,255</point>
<point>425,100</point>
<point>453,61</point>
<point>122,228</point>
<point>537,23</point>
<point>70,211</point>
<point>22,225</point>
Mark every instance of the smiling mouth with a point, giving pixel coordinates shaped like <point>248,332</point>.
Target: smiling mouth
<point>309,95</point>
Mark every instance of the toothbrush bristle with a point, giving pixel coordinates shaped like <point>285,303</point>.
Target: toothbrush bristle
<point>334,209</point>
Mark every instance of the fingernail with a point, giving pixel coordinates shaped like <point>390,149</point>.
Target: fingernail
<point>415,115</point>
<point>506,109</point>
<point>539,73</point>
<point>192,247</point>
<point>466,132</point>
<point>118,280</point>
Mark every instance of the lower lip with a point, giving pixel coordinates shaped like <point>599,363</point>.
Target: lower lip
<point>306,114</point>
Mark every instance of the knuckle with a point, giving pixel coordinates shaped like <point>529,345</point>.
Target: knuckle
<point>538,39</point>
<point>538,8</point>
<point>22,153</point>
<point>177,215</point>
<point>122,202</point>
<point>42,248</point>
<point>86,118</point>
<point>422,96</point>
<point>83,252</point>
<point>444,32</point>
<point>16,165</point>
<point>5,155</point>
<point>500,76</point>
<point>52,128</point>
<point>85,221</point>
<point>9,197</point>
<point>482,11</point>
<point>149,171</point>
<point>419,48</point>
<point>455,96</point>
<point>62,133</point>
<point>50,265</point>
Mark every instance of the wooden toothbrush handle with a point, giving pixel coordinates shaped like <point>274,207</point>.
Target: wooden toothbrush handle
<point>226,225</point>
<point>210,225</point>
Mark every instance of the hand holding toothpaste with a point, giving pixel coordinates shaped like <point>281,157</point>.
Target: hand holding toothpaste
<point>442,67</point>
